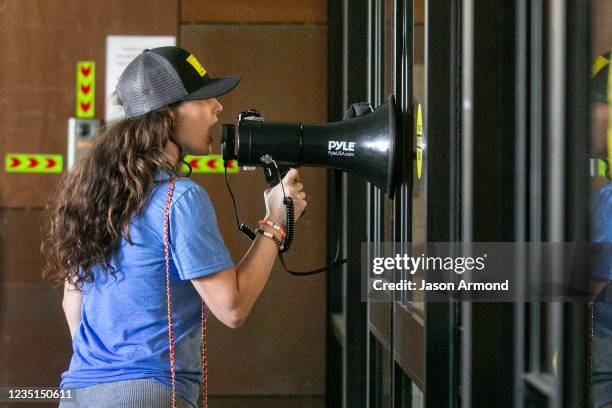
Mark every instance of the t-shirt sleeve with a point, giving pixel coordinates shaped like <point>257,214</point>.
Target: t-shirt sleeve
<point>196,243</point>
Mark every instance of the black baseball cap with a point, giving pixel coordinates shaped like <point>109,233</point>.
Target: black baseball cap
<point>165,75</point>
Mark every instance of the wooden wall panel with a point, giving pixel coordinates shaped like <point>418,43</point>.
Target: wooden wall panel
<point>281,348</point>
<point>41,43</point>
<point>20,237</point>
<point>34,338</point>
<point>602,29</point>
<point>261,11</point>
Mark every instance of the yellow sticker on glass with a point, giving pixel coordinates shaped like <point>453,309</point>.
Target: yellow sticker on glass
<point>419,145</point>
<point>196,64</point>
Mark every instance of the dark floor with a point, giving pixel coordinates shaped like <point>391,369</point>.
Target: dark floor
<point>268,402</point>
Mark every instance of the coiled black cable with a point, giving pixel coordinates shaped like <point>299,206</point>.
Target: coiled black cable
<point>290,231</point>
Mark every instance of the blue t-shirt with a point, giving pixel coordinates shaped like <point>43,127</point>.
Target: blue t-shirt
<point>602,231</point>
<point>124,329</point>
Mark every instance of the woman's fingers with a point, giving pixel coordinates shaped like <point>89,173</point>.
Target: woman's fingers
<point>299,207</point>
<point>294,188</point>
<point>291,177</point>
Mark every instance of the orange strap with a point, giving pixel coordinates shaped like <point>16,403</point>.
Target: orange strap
<point>204,386</point>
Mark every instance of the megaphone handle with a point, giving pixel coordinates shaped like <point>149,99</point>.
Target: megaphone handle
<point>290,229</point>
<point>273,174</point>
<point>269,174</point>
<point>273,177</point>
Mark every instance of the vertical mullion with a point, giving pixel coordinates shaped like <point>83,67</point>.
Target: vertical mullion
<point>403,92</point>
<point>373,364</point>
<point>578,124</point>
<point>521,196</point>
<point>334,374</point>
<point>556,182</point>
<point>467,145</point>
<point>440,121</point>
<point>535,183</point>
<point>375,100</point>
<point>356,80</point>
<point>401,215</point>
<point>397,206</point>
<point>454,208</point>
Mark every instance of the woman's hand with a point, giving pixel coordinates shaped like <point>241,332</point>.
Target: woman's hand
<point>275,209</point>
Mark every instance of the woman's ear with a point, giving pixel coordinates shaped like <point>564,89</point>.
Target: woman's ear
<point>172,116</point>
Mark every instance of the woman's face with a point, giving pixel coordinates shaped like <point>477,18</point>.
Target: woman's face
<point>193,123</point>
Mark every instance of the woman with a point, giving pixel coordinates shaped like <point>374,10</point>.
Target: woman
<point>133,309</point>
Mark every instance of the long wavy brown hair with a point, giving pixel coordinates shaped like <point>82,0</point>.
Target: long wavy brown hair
<point>96,199</point>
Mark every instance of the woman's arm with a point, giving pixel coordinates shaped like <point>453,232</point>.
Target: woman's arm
<point>231,294</point>
<point>73,299</point>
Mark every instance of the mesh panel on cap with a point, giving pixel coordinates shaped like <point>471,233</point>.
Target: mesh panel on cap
<point>129,87</point>
<point>162,85</point>
<point>148,83</point>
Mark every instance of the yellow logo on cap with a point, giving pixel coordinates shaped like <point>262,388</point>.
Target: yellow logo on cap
<point>196,64</point>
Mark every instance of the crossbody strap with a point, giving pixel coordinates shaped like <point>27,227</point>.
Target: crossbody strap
<point>204,386</point>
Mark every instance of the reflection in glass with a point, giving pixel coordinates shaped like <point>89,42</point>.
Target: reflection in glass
<point>601,316</point>
<point>601,228</point>
<point>389,216</point>
<point>387,400</point>
<point>419,142</point>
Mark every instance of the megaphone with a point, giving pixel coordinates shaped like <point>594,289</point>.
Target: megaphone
<point>368,146</point>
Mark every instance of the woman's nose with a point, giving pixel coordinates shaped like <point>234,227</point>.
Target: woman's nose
<point>219,108</point>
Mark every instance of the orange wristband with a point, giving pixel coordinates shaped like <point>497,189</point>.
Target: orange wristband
<point>270,223</point>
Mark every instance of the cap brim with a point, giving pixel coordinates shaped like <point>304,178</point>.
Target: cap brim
<point>214,87</point>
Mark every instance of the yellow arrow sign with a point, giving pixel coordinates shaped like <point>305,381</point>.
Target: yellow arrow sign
<point>33,163</point>
<point>85,89</point>
<point>212,163</point>
<point>602,168</point>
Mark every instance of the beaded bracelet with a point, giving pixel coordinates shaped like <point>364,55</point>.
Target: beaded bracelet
<point>271,236</point>
<point>271,223</point>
